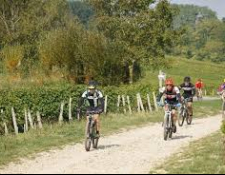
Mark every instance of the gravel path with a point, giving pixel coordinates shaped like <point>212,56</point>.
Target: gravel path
<point>135,151</point>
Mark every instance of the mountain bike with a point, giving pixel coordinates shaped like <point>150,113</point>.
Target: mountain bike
<point>184,114</point>
<point>168,122</point>
<point>91,132</point>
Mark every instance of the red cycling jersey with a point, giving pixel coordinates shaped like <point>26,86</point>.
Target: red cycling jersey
<point>199,85</point>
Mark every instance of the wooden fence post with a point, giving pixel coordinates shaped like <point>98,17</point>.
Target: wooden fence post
<point>118,103</point>
<point>129,106</point>
<point>141,103</point>
<point>155,102</point>
<point>124,104</point>
<point>149,103</point>
<point>40,126</point>
<point>6,129</point>
<point>106,104</point>
<point>14,122</point>
<point>70,110</point>
<point>26,120</point>
<point>4,123</point>
<point>138,104</point>
<point>30,119</point>
<point>61,113</point>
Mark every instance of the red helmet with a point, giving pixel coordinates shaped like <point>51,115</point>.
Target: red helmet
<point>169,82</point>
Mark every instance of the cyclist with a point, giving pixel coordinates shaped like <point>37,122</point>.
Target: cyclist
<point>172,97</point>
<point>199,87</point>
<point>189,92</point>
<point>221,88</point>
<point>96,103</point>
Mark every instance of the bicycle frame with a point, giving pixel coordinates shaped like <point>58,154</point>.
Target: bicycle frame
<point>168,116</point>
<point>91,123</point>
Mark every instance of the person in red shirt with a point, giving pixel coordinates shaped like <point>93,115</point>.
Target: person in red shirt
<point>199,87</point>
<point>199,84</point>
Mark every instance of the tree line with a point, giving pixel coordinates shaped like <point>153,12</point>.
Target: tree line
<point>108,40</point>
<point>201,35</point>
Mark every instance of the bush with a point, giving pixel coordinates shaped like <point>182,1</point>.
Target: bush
<point>47,100</point>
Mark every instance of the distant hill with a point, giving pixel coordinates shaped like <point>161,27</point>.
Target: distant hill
<point>188,15</point>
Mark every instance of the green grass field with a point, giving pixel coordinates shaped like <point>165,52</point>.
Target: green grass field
<point>201,157</point>
<point>211,73</point>
<point>54,136</point>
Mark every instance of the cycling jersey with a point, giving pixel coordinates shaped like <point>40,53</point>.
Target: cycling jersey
<point>199,85</point>
<point>171,97</point>
<point>222,87</point>
<point>189,90</point>
<point>95,100</point>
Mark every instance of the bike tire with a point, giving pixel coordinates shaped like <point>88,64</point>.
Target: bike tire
<point>189,119</point>
<point>95,143</point>
<point>88,141</point>
<point>181,119</point>
<point>95,140</point>
<point>166,133</point>
<point>171,134</point>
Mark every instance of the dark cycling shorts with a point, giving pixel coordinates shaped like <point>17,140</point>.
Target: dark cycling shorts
<point>93,109</point>
<point>190,100</point>
<point>172,103</point>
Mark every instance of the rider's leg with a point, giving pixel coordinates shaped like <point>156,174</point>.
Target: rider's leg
<point>190,108</point>
<point>97,119</point>
<point>174,115</point>
<point>86,129</point>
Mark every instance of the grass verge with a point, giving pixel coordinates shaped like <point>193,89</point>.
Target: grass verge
<point>205,156</point>
<point>14,147</point>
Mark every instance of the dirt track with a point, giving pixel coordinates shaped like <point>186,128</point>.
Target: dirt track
<point>135,151</point>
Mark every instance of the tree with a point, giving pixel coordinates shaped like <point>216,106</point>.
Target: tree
<point>132,25</point>
<point>24,22</point>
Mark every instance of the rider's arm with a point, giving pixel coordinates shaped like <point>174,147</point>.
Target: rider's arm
<point>82,100</point>
<point>178,94</point>
<point>102,101</point>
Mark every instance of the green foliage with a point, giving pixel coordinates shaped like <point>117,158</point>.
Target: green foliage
<point>128,24</point>
<point>201,34</point>
<point>47,100</point>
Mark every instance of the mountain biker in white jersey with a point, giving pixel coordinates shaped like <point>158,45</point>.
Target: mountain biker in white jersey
<point>172,97</point>
<point>96,103</point>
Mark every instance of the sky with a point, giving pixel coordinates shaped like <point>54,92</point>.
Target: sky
<point>216,5</point>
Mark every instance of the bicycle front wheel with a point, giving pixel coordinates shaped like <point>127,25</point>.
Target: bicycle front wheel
<point>166,131</point>
<point>88,140</point>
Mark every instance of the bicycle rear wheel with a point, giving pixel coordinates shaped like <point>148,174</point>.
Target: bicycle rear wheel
<point>95,140</point>
<point>182,117</point>
<point>189,119</point>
